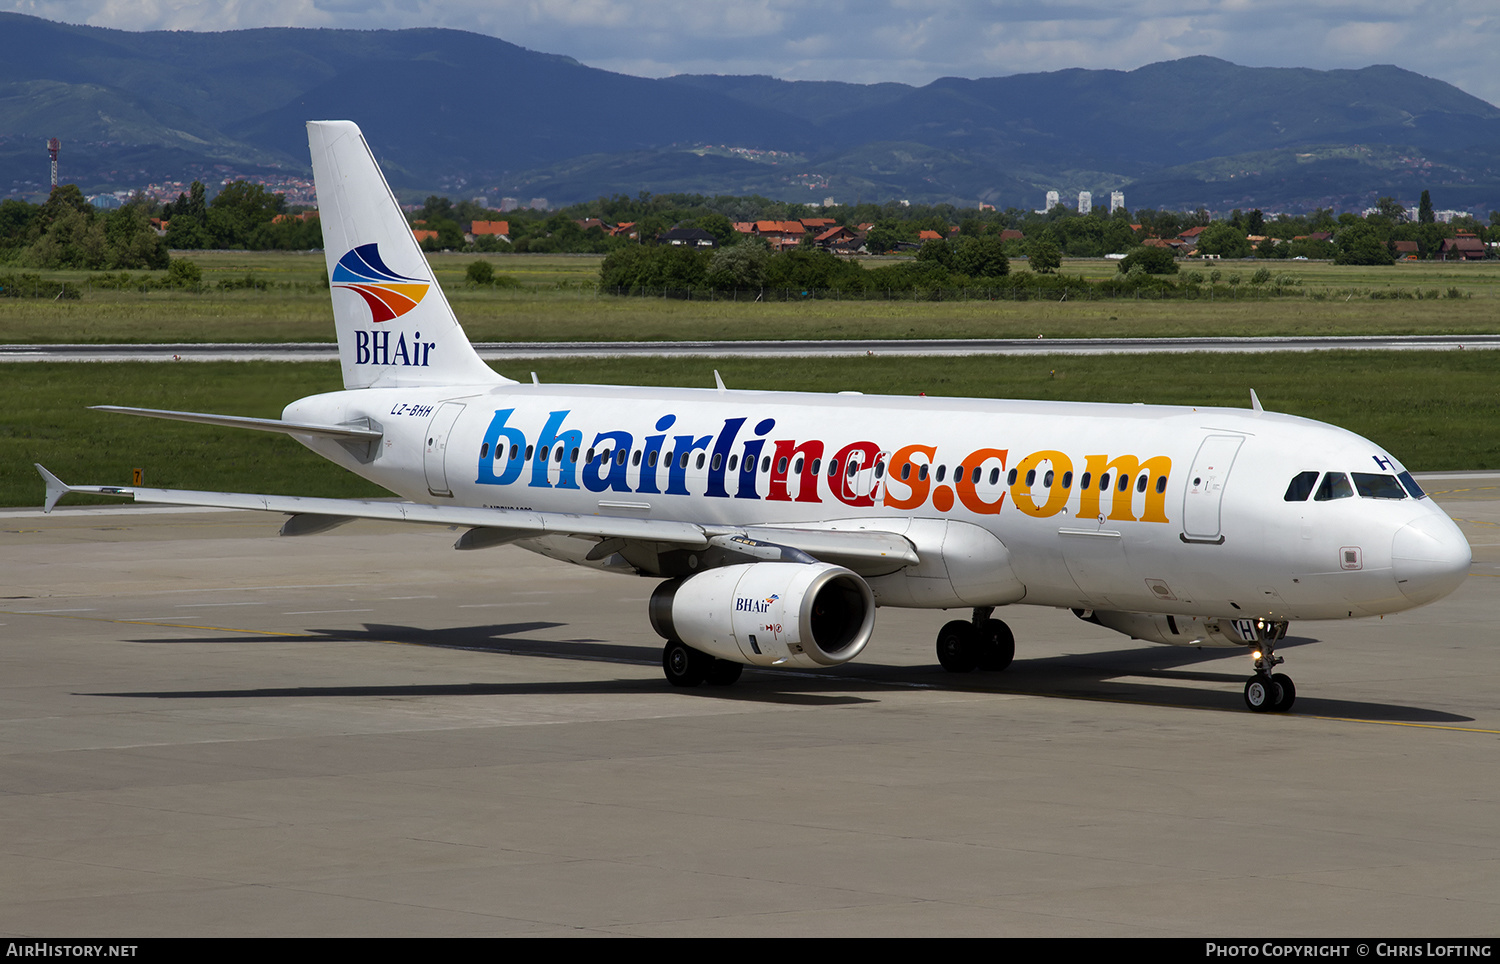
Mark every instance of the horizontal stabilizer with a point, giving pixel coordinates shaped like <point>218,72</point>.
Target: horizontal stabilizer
<point>342,432</point>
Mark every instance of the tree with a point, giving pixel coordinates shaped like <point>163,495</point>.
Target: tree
<point>1043,256</point>
<point>981,257</point>
<point>1424,209</point>
<point>480,273</point>
<point>1390,208</point>
<point>738,266</point>
<point>1152,260</point>
<point>1223,240</point>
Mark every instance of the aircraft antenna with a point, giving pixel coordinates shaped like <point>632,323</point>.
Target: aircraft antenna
<point>1255,402</point>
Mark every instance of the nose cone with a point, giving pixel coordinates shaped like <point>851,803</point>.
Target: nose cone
<point>1430,558</point>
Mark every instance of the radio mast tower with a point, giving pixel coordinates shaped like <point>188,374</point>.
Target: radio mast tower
<point>53,146</point>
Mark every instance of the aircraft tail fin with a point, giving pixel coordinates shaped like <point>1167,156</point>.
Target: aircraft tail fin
<point>395,327</point>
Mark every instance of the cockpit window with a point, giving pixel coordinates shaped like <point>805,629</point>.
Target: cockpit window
<point>1411,486</point>
<point>1301,487</point>
<point>1335,486</point>
<point>1372,485</point>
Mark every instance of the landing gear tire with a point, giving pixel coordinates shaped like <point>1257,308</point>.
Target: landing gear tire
<point>1262,695</point>
<point>958,647</point>
<point>1288,692</point>
<point>684,665</point>
<point>724,672</point>
<point>997,645</point>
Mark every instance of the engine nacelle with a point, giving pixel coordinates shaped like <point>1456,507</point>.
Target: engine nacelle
<point>769,613</point>
<point>1186,630</point>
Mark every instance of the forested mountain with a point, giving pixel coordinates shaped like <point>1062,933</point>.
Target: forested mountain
<point>466,114</point>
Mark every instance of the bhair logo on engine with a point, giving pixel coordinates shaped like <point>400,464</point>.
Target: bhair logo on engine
<point>388,294</point>
<point>745,605</point>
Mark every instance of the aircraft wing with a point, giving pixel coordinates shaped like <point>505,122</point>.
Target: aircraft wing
<point>863,549</point>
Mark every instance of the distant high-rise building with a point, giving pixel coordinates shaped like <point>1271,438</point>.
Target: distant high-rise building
<point>538,204</point>
<point>509,204</point>
<point>1052,200</point>
<point>1085,202</point>
<point>1116,201</point>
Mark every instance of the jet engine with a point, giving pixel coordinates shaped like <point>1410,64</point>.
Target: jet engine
<point>768,613</point>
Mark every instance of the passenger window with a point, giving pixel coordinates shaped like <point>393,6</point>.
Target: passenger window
<point>797,466</point>
<point>718,461</point>
<point>733,461</point>
<point>879,470</point>
<point>1161,484</point>
<point>922,473</point>
<point>974,477</point>
<point>1088,477</point>
<point>1372,485</point>
<point>620,456</point>
<point>636,458</point>
<point>1301,487</point>
<point>905,471</point>
<point>1140,484</point>
<point>942,471</point>
<point>1335,486</point>
<point>557,456</point>
<point>781,466</point>
<point>994,476</point>
<point>701,459</point>
<point>1104,482</point>
<point>1011,478</point>
<point>1067,480</point>
<point>1047,480</point>
<point>765,464</point>
<point>651,459</point>
<point>484,450</point>
<point>1411,486</point>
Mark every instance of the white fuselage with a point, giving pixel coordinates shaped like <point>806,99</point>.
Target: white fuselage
<point>1131,508</point>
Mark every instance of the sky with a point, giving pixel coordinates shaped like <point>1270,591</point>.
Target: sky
<point>910,41</point>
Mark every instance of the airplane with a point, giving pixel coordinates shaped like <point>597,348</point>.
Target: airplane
<point>778,522</point>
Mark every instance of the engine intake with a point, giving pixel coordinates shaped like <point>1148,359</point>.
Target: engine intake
<point>769,613</point>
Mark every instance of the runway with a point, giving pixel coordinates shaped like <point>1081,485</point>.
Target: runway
<point>521,351</point>
<point>209,730</point>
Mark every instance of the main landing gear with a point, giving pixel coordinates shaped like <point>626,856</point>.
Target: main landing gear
<point>981,643</point>
<point>686,666</point>
<point>1268,692</point>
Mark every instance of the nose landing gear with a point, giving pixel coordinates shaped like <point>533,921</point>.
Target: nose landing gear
<point>1266,691</point>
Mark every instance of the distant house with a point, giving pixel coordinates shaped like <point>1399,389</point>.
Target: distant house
<point>625,229</point>
<point>780,234</point>
<point>929,235</point>
<point>1191,235</point>
<point>835,237</point>
<point>1011,234</point>
<point>1407,249</point>
<point>423,234</point>
<point>688,238</point>
<point>492,229</point>
<point>1462,248</point>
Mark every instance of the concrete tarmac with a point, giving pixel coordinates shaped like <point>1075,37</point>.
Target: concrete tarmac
<point>209,730</point>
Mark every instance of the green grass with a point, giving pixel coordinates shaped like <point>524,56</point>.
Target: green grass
<point>1434,410</point>
<point>557,303</point>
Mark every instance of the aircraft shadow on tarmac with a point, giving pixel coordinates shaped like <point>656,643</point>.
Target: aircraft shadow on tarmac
<point>1155,675</point>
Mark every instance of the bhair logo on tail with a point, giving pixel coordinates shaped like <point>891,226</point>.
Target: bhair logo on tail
<point>388,294</point>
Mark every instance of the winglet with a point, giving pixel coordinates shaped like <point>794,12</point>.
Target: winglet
<point>719,382</point>
<point>56,488</point>
<point>1255,402</point>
